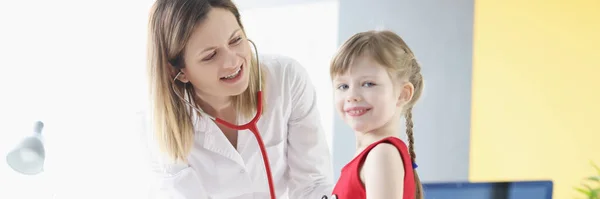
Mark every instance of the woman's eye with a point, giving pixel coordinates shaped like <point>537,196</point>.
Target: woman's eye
<point>236,41</point>
<point>209,57</point>
<point>368,84</point>
<point>342,87</point>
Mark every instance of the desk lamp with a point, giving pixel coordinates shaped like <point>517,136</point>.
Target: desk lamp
<point>28,157</point>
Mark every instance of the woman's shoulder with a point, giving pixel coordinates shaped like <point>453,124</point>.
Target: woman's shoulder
<point>283,74</point>
<point>281,65</point>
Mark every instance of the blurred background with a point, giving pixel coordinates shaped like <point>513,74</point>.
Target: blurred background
<point>511,86</point>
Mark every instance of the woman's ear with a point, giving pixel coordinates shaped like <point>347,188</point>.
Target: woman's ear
<point>182,77</point>
<point>406,93</point>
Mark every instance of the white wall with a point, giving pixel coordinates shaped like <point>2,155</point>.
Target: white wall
<point>306,32</point>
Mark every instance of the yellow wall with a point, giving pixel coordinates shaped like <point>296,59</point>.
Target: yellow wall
<point>536,91</point>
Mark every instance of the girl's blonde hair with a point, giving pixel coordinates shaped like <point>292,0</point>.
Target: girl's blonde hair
<point>389,50</point>
<point>170,26</point>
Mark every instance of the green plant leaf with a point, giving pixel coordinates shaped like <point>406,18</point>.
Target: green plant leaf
<point>595,167</point>
<point>583,191</point>
<point>594,193</point>
<point>594,178</point>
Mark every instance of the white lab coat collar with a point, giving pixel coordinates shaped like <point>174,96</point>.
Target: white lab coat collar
<point>207,132</point>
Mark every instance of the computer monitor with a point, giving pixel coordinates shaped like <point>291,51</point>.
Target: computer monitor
<point>489,190</point>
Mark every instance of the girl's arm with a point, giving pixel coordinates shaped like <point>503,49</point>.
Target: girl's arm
<point>383,173</point>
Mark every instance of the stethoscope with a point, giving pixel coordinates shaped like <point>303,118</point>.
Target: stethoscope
<point>248,126</point>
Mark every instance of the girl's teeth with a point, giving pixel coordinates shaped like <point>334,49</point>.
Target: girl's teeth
<point>357,111</point>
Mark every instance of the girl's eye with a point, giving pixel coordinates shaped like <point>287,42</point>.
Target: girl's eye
<point>342,87</point>
<point>368,84</point>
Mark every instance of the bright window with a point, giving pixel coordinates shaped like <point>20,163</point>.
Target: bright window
<point>79,67</point>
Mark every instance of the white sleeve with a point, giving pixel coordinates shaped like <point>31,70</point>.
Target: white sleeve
<point>170,180</point>
<point>310,169</point>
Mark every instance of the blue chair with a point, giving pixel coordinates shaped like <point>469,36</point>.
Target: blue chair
<point>489,190</point>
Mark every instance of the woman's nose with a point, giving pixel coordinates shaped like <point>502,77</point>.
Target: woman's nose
<point>231,59</point>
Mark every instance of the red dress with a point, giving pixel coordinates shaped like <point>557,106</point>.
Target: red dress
<point>349,185</point>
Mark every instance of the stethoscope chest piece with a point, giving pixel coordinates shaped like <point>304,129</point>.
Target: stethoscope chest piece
<point>332,197</point>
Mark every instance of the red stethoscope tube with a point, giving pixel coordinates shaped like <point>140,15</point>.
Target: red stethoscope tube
<point>254,128</point>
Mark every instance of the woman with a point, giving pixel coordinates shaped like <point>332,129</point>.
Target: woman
<point>199,54</point>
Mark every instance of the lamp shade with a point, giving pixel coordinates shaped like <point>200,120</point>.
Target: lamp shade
<point>28,157</point>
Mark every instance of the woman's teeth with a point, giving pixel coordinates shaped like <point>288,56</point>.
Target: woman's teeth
<point>232,75</point>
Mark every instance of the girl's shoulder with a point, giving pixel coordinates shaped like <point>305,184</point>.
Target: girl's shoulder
<point>388,162</point>
<point>387,145</point>
<point>388,150</point>
<point>396,142</point>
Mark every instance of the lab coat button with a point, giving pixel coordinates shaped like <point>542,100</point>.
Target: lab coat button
<point>242,171</point>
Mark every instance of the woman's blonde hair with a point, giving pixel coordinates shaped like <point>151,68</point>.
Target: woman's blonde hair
<point>170,26</point>
<point>389,50</point>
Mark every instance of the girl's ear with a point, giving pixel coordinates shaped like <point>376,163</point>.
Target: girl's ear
<point>406,93</point>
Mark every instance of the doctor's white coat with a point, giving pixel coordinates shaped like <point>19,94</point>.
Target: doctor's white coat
<point>292,133</point>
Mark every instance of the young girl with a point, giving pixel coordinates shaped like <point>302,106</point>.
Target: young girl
<point>377,80</point>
